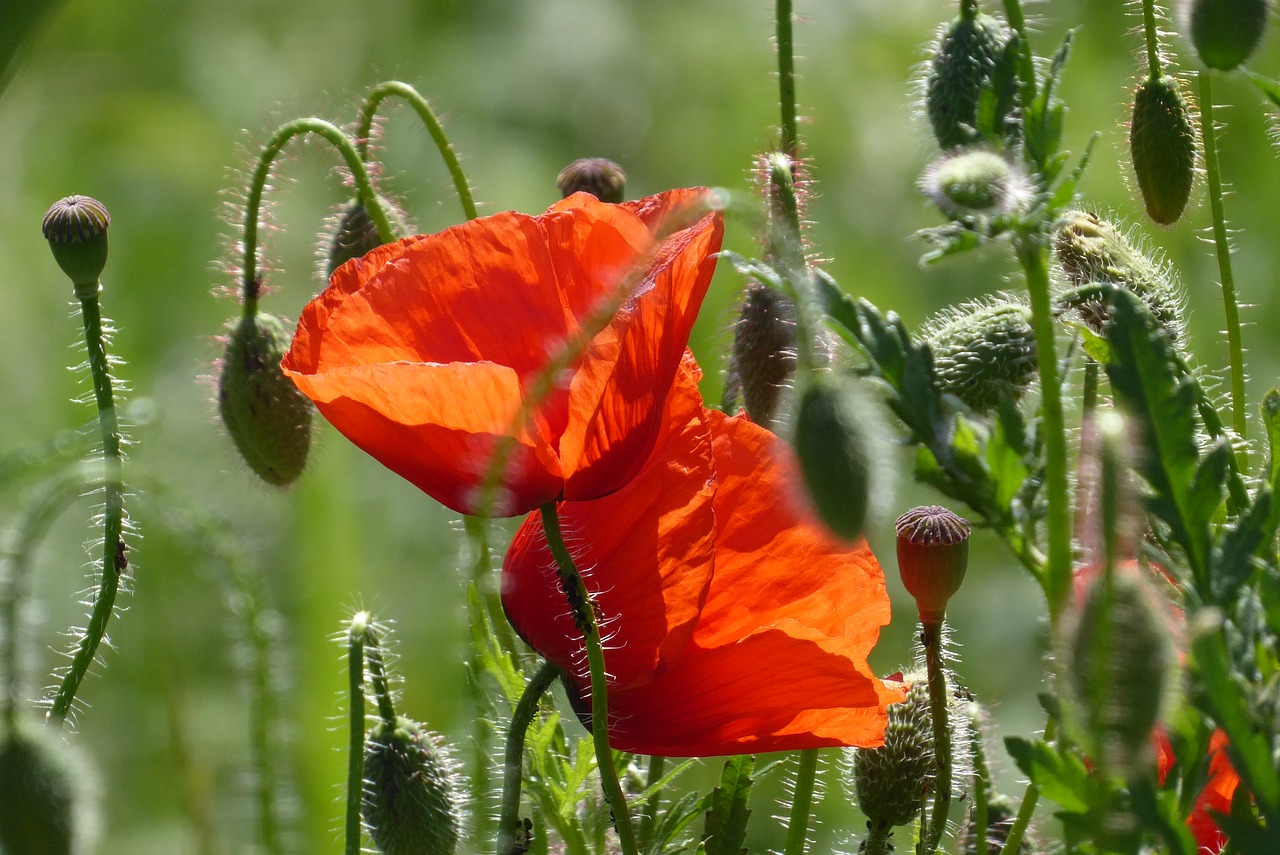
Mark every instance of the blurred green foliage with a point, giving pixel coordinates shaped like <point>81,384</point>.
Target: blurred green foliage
<point>155,108</point>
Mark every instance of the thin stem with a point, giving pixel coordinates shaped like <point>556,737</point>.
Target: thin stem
<point>364,130</point>
<point>802,803</point>
<point>513,757</point>
<point>787,78</point>
<point>355,716</point>
<point>931,638</point>
<point>879,840</point>
<point>1222,246</point>
<point>1013,843</point>
<point>649,821</point>
<point>378,677</point>
<point>250,284</point>
<point>584,615</point>
<point>968,9</point>
<point>113,549</point>
<point>1152,35</point>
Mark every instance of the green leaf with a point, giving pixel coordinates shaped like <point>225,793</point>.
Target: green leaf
<point>726,827</point>
<point>1269,87</point>
<point>1063,779</point>
<point>1006,454</point>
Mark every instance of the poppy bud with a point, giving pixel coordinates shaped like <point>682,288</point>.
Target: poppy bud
<point>1118,656</point>
<point>983,352</point>
<point>975,182</point>
<point>352,233</point>
<point>76,229</point>
<point>602,178</point>
<point>1225,32</point>
<point>933,554</point>
<point>1162,144</point>
<point>1000,819</point>
<point>409,796</point>
<point>890,781</point>
<point>268,418</point>
<point>46,793</point>
<point>764,351</point>
<point>964,54</point>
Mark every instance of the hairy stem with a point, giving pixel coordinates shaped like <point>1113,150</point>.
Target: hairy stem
<point>513,757</point>
<point>1152,36</point>
<point>356,635</point>
<point>931,638</point>
<point>787,78</point>
<point>802,803</point>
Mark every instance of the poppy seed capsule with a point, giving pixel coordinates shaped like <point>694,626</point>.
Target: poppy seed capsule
<point>352,233</point>
<point>964,54</point>
<point>890,781</point>
<point>1162,145</point>
<point>933,554</point>
<point>1225,32</point>
<point>983,353</point>
<point>974,182</point>
<point>76,229</point>
<point>832,443</point>
<point>408,802</point>
<point>268,418</point>
<point>48,806</point>
<point>598,176</point>
<point>764,351</point>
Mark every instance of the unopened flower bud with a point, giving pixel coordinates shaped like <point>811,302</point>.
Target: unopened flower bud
<point>983,352</point>
<point>352,233</point>
<point>764,351</point>
<point>1225,32</point>
<point>975,182</point>
<point>409,800</point>
<point>964,55</point>
<point>890,780</point>
<point>933,554</point>
<point>76,229</point>
<point>602,178</point>
<point>46,793</point>
<point>268,418</point>
<point>1162,145</point>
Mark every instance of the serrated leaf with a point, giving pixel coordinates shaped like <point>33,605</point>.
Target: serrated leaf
<point>1238,544</point>
<point>1064,194</point>
<point>1005,454</point>
<point>1064,780</point>
<point>727,811</point>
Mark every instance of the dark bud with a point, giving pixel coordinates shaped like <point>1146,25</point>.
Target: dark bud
<point>964,56</point>
<point>833,443</point>
<point>764,352</point>
<point>76,229</point>
<point>1226,32</point>
<point>1162,144</point>
<point>353,233</point>
<point>409,791</point>
<point>602,178</point>
<point>47,807</point>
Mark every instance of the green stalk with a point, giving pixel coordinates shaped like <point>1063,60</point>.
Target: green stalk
<point>649,821</point>
<point>356,634</point>
<point>981,777</point>
<point>261,174</point>
<point>513,757</point>
<point>584,615</point>
<point>113,548</point>
<point>802,802</point>
<point>364,130</point>
<point>1208,133</point>
<point>378,678</point>
<point>931,638</point>
<point>787,78</point>
<point>1028,806</point>
<point>1152,36</point>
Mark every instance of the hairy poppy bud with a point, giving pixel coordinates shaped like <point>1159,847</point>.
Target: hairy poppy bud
<point>268,418</point>
<point>1162,144</point>
<point>602,178</point>
<point>983,352</point>
<point>975,182</point>
<point>352,233</point>
<point>890,781</point>
<point>409,791</point>
<point>933,554</point>
<point>46,793</point>
<point>1225,32</point>
<point>964,54</point>
<point>764,351</point>
<point>76,229</point>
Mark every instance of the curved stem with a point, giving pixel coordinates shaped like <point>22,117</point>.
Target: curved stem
<point>251,284</point>
<point>420,106</point>
<point>378,677</point>
<point>802,803</point>
<point>1222,247</point>
<point>1152,35</point>
<point>113,559</point>
<point>513,757</point>
<point>787,78</point>
<point>931,638</point>
<point>356,634</point>
<point>584,616</point>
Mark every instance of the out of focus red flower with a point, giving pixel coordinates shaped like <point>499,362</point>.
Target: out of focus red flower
<point>423,352</point>
<point>732,622</point>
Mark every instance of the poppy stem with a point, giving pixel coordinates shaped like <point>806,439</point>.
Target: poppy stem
<point>931,639</point>
<point>420,105</point>
<point>802,803</point>
<point>583,608</point>
<point>378,677</point>
<point>357,632</point>
<point>650,818</point>
<point>513,757</point>
<point>787,77</point>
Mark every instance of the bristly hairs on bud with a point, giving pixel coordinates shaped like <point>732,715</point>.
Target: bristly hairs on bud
<point>984,350</point>
<point>972,183</point>
<point>961,61</point>
<point>349,233</point>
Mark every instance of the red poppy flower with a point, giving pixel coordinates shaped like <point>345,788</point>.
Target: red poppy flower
<point>732,622</point>
<point>424,352</point>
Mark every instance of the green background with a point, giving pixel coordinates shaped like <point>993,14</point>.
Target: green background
<point>156,108</point>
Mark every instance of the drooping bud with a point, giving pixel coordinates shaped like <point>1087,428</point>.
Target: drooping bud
<point>890,781</point>
<point>933,554</point>
<point>983,352</point>
<point>1225,32</point>
<point>964,55</point>
<point>47,794</point>
<point>76,229</point>
<point>268,418</point>
<point>764,352</point>
<point>975,182</point>
<point>1162,145</point>
<point>352,233</point>
<point>409,800</point>
<point>602,178</point>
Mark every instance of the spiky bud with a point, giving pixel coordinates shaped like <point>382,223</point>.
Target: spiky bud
<point>352,233</point>
<point>76,229</point>
<point>602,178</point>
<point>964,55</point>
<point>1225,32</point>
<point>268,418</point>
<point>46,793</point>
<point>891,780</point>
<point>983,352</point>
<point>1162,146</point>
<point>933,554</point>
<point>975,182</point>
<point>409,801</point>
<point>764,351</point>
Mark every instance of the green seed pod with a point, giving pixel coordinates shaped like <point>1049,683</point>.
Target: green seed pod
<point>933,555</point>
<point>835,442</point>
<point>45,793</point>
<point>763,357</point>
<point>983,352</point>
<point>602,178</point>
<point>408,792</point>
<point>1118,656</point>
<point>1225,32</point>
<point>352,233</point>
<point>964,55</point>
<point>891,780</point>
<point>268,418</point>
<point>1162,144</point>
<point>76,229</point>
<point>972,182</point>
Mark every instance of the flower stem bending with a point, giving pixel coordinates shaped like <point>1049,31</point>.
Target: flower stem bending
<point>802,802</point>
<point>931,639</point>
<point>584,615</point>
<point>513,759</point>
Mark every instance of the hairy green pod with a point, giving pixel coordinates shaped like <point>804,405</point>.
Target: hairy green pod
<point>352,233</point>
<point>408,803</point>
<point>974,182</point>
<point>833,444</point>
<point>46,800</point>
<point>964,55</point>
<point>890,780</point>
<point>763,357</point>
<point>1226,32</point>
<point>983,352</point>
<point>1162,146</point>
<point>267,417</point>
